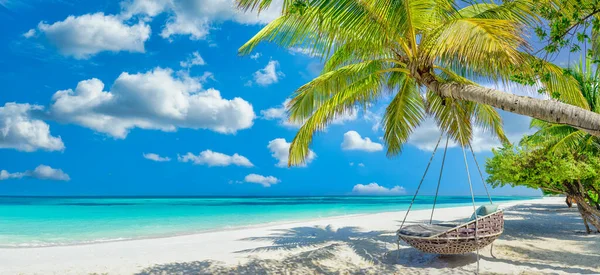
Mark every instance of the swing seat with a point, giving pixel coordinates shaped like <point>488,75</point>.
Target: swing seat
<point>444,239</point>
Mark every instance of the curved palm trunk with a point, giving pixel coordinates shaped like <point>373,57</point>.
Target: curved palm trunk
<point>548,110</point>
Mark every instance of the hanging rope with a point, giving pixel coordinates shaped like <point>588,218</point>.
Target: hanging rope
<point>421,182</point>
<point>480,174</point>
<point>474,208</point>
<point>439,179</point>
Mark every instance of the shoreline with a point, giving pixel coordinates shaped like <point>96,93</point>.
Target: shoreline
<point>344,244</point>
<point>240,227</point>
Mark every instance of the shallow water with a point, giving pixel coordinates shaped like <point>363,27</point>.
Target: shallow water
<point>48,221</point>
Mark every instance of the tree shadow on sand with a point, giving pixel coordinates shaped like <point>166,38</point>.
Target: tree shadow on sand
<point>317,250</point>
<point>368,245</point>
<point>349,250</point>
<point>548,223</point>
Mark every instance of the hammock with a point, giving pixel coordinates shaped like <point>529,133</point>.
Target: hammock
<point>444,239</point>
<point>484,227</point>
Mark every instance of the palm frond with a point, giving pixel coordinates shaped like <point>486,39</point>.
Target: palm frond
<point>323,24</point>
<point>475,47</point>
<point>362,91</point>
<point>489,119</point>
<point>404,113</point>
<point>313,94</point>
<point>453,117</point>
<point>521,11</point>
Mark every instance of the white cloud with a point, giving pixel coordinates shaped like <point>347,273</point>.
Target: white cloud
<point>43,172</point>
<point>194,60</point>
<point>18,130</point>
<point>280,113</point>
<point>268,75</point>
<point>353,141</point>
<point>196,17</point>
<point>88,34</point>
<point>374,118</point>
<point>346,117</point>
<point>515,126</point>
<point>361,164</point>
<point>303,51</point>
<point>351,163</point>
<point>375,189</point>
<point>152,100</point>
<point>426,136</point>
<point>155,157</point>
<point>30,33</point>
<point>262,180</point>
<point>280,150</point>
<point>211,158</point>
<point>255,56</point>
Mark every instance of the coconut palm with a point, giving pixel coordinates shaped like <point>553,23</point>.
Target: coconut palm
<point>560,138</point>
<point>403,48</point>
<point>563,140</point>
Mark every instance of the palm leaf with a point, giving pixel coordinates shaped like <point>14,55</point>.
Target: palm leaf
<point>361,91</point>
<point>404,113</point>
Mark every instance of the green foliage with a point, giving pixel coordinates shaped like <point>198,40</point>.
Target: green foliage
<point>570,24</point>
<point>533,167</point>
<point>566,139</point>
<point>373,49</point>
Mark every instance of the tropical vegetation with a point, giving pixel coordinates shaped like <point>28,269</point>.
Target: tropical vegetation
<point>576,176</point>
<point>558,159</point>
<point>427,56</point>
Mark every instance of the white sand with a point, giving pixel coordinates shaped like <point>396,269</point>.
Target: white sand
<point>541,236</point>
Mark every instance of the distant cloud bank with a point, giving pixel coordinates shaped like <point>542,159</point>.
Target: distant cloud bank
<point>43,172</point>
<point>377,190</point>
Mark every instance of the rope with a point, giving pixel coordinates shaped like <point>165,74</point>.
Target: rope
<point>481,174</point>
<point>420,183</point>
<point>474,208</point>
<point>439,179</point>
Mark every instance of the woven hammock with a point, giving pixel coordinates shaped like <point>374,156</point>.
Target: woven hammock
<point>443,239</point>
<point>460,239</point>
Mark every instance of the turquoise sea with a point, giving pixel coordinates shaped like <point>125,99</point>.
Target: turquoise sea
<point>49,221</point>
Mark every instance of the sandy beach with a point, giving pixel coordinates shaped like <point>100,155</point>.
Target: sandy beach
<point>541,236</point>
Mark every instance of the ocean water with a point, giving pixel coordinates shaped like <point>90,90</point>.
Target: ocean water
<point>49,221</point>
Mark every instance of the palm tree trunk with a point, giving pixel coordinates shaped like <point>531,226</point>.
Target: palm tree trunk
<point>548,110</point>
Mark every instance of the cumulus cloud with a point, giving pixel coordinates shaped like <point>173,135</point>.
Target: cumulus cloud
<point>42,172</point>
<point>353,141</point>
<point>255,56</point>
<point>262,180</point>
<point>193,60</point>
<point>375,189</point>
<point>268,75</point>
<point>515,126</point>
<point>88,34</point>
<point>18,130</point>
<point>30,33</point>
<point>280,113</point>
<point>280,150</point>
<point>196,17</point>
<point>211,158</point>
<point>374,118</point>
<point>303,51</point>
<point>153,100</point>
<point>156,157</point>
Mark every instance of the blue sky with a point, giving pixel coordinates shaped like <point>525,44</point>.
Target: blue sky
<point>151,98</point>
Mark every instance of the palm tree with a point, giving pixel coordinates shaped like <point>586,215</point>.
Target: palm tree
<point>565,139</point>
<point>403,47</point>
<point>560,138</point>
